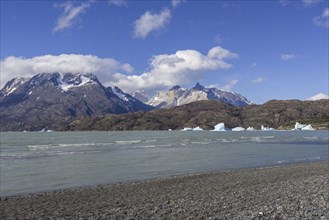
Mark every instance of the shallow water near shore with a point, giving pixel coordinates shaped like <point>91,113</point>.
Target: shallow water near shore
<point>33,161</point>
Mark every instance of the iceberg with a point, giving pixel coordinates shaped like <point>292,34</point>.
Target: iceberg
<point>299,126</point>
<point>250,129</point>
<point>266,128</point>
<point>220,127</point>
<point>187,129</point>
<point>238,129</point>
<point>197,129</point>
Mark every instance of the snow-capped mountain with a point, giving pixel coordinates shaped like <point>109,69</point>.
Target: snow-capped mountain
<point>179,96</point>
<point>140,95</point>
<point>12,85</point>
<point>50,98</point>
<point>318,97</point>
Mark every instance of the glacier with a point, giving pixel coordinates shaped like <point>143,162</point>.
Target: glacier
<point>250,129</point>
<point>238,129</point>
<point>219,127</point>
<point>299,126</point>
<point>263,128</point>
<point>197,129</point>
<point>187,129</point>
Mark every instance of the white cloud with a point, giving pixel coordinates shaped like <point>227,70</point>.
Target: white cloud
<point>311,2</point>
<point>166,70</point>
<point>259,80</point>
<point>284,2</point>
<point>150,22</point>
<point>213,86</point>
<point>118,3</point>
<point>70,14</point>
<point>230,85</point>
<point>325,12</point>
<point>175,3</point>
<point>229,5</point>
<point>323,20</point>
<point>104,68</point>
<point>180,68</point>
<point>286,57</point>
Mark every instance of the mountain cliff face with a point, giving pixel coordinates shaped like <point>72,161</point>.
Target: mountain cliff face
<point>177,96</point>
<point>208,113</point>
<point>140,95</point>
<point>48,100</point>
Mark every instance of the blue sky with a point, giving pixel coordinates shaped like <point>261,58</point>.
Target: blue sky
<point>261,49</point>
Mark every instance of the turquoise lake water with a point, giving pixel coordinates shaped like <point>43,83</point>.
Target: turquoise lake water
<point>42,161</point>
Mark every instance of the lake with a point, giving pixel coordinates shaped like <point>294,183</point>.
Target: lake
<point>42,161</point>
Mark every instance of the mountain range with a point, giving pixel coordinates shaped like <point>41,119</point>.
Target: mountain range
<point>80,102</point>
<point>51,99</point>
<point>177,96</point>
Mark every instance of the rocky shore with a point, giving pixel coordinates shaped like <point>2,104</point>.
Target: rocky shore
<point>298,191</point>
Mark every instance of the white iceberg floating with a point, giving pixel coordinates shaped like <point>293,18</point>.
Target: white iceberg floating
<point>238,129</point>
<point>250,129</point>
<point>187,129</point>
<point>197,129</point>
<point>45,130</point>
<point>220,127</point>
<point>299,126</point>
<point>169,129</point>
<point>267,128</point>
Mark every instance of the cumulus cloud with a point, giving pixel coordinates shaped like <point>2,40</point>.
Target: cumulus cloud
<point>118,3</point>
<point>70,14</point>
<point>230,85</point>
<point>151,22</point>
<point>259,80</point>
<point>287,56</point>
<point>166,70</point>
<point>323,20</point>
<point>104,68</point>
<point>180,68</point>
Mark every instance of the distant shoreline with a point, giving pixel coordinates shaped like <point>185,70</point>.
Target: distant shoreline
<point>282,191</point>
<point>275,130</point>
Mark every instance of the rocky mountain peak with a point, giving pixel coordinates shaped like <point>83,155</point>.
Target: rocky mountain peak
<point>176,87</point>
<point>12,85</point>
<point>48,99</point>
<point>70,80</point>
<point>198,87</point>
<point>140,95</point>
<point>177,96</point>
<point>45,78</point>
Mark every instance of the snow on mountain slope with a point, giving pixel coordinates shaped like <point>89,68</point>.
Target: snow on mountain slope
<point>13,84</point>
<point>318,97</point>
<point>70,81</point>
<point>179,96</point>
<point>67,94</point>
<point>140,95</point>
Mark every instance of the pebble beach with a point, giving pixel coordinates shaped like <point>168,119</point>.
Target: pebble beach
<point>298,191</point>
